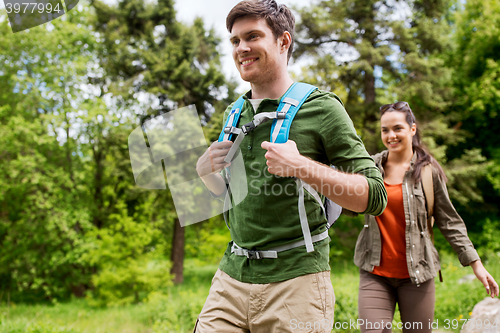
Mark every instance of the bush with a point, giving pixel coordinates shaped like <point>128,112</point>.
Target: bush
<point>130,261</point>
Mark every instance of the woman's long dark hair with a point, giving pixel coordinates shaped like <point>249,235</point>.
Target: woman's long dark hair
<point>424,157</point>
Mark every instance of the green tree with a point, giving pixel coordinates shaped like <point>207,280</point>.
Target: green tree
<point>376,52</point>
<point>147,51</point>
<point>477,99</point>
<point>361,48</point>
<point>42,200</point>
<point>66,174</point>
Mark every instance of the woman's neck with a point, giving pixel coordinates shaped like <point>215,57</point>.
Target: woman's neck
<point>400,158</point>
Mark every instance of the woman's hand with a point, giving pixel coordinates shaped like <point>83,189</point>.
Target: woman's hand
<point>486,279</point>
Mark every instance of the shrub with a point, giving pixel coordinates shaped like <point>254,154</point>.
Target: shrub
<point>130,261</point>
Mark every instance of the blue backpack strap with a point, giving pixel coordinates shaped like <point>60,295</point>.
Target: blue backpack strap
<point>289,105</point>
<point>232,120</point>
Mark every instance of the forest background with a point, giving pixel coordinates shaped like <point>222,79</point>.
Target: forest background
<point>74,227</point>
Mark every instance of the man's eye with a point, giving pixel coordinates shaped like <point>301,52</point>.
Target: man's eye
<point>235,42</point>
<point>253,36</point>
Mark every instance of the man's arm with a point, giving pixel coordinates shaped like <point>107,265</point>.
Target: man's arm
<point>350,191</point>
<point>345,150</point>
<point>211,163</point>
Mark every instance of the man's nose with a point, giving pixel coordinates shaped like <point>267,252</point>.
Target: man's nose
<point>242,47</point>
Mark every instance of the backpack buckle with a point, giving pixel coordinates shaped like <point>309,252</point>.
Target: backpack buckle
<point>281,114</point>
<point>253,254</point>
<point>228,129</point>
<point>248,128</point>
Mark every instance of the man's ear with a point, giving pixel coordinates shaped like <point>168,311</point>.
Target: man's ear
<point>285,41</point>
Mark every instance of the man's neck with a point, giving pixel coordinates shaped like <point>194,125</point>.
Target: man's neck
<point>273,89</point>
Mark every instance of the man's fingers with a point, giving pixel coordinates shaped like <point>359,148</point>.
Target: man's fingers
<point>211,158</point>
<point>266,145</point>
<point>220,148</point>
<point>219,162</point>
<point>221,145</point>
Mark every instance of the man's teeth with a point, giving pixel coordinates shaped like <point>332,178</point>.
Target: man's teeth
<point>247,62</point>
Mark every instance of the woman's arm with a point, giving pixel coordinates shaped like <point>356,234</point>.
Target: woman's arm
<point>454,230</point>
<point>451,224</point>
<point>486,279</point>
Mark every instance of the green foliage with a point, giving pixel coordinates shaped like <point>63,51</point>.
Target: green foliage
<point>71,218</point>
<point>486,241</point>
<point>148,53</point>
<point>40,328</point>
<point>170,315</point>
<point>43,207</point>
<point>343,235</point>
<point>129,258</point>
<point>345,281</point>
<point>441,57</point>
<point>174,317</point>
<point>376,52</point>
<point>148,50</point>
<point>207,241</point>
<point>176,308</point>
<point>493,174</point>
<point>477,97</point>
<point>469,292</point>
<point>463,173</point>
<point>74,317</point>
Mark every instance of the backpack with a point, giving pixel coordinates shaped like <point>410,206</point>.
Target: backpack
<point>282,120</point>
<point>428,186</point>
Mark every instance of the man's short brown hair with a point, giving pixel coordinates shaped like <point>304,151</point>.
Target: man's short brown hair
<point>279,18</point>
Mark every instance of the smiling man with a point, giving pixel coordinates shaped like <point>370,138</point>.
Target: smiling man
<point>275,273</point>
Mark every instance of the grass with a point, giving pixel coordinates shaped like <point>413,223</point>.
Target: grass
<point>175,309</point>
<point>73,317</point>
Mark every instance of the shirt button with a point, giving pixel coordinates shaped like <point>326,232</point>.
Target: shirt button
<point>413,245</point>
<point>417,272</point>
<point>249,147</point>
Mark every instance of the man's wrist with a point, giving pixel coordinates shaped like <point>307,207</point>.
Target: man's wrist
<point>304,167</point>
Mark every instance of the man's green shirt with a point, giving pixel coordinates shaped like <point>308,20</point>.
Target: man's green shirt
<point>268,216</point>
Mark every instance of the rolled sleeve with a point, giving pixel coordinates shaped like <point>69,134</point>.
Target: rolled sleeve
<point>377,196</point>
<point>346,151</point>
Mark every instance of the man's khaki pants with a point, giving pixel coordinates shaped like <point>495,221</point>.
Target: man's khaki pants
<point>302,304</point>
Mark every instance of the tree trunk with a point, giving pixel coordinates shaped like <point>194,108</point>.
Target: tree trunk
<point>369,88</point>
<point>178,253</point>
<point>371,109</point>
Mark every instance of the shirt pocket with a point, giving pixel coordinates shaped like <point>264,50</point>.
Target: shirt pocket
<point>421,210</point>
<point>361,250</point>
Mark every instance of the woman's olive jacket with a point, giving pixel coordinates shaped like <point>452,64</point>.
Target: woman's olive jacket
<point>421,255</point>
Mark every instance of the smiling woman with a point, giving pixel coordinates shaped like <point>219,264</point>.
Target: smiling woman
<point>397,259</point>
